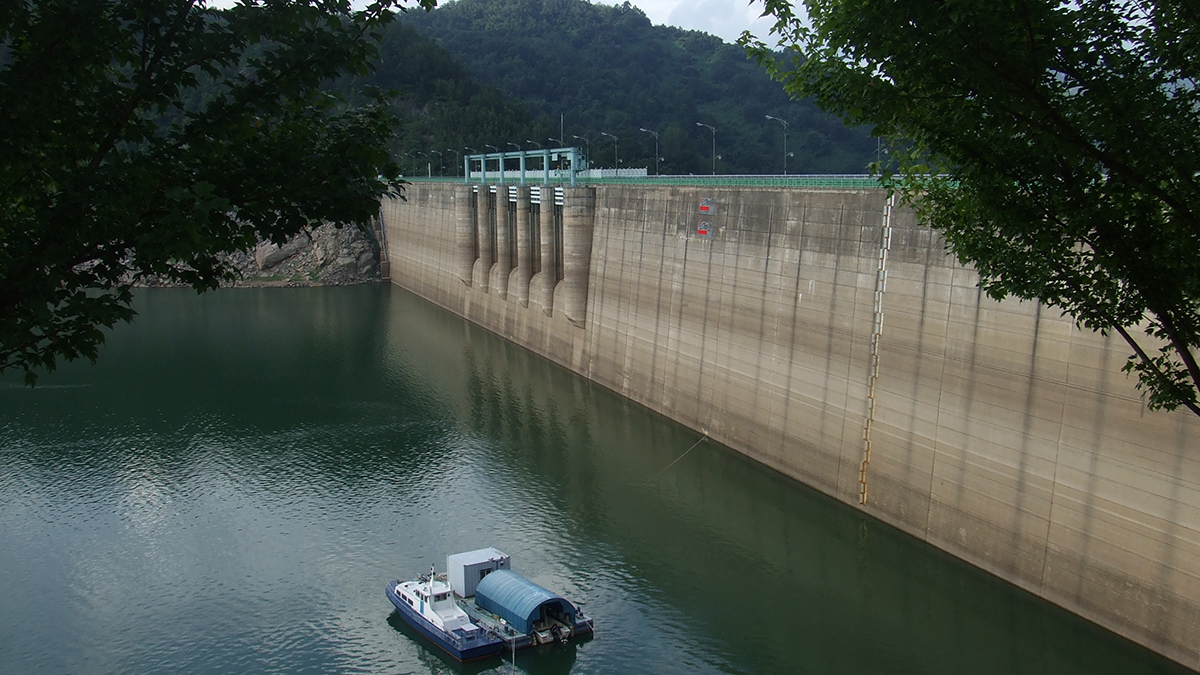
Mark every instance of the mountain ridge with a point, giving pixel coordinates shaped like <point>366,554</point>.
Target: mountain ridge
<point>608,69</point>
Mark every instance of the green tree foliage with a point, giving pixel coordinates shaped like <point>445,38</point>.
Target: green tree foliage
<point>679,146</point>
<point>146,137</point>
<point>608,69</point>
<point>441,109</point>
<point>1053,144</point>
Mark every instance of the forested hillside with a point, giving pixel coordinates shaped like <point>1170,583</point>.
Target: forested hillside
<point>441,108</point>
<point>607,69</point>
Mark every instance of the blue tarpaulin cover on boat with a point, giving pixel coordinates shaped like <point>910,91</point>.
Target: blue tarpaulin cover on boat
<point>518,600</point>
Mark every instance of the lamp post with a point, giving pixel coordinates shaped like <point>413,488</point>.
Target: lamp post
<point>714,145</point>
<point>467,148</point>
<point>587,143</point>
<point>457,154</point>
<point>785,152</point>
<point>545,158</point>
<point>413,154</point>
<point>655,134</point>
<point>441,162</point>
<point>521,157</point>
<point>560,143</point>
<point>616,161</point>
<point>501,157</point>
<point>428,171</point>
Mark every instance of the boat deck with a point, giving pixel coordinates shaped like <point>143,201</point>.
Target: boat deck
<point>513,639</point>
<point>494,624</point>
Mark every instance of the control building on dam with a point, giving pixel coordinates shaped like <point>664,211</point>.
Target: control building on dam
<point>828,335</point>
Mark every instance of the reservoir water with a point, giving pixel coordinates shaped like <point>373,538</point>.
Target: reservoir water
<point>231,486</point>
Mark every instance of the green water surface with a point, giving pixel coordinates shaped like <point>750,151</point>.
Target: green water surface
<point>231,487</point>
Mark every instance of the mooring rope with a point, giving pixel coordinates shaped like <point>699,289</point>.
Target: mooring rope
<point>685,452</point>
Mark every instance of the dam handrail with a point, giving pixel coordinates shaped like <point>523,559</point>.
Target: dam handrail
<point>842,181</point>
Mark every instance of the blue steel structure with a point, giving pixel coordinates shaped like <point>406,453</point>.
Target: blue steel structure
<point>546,155</point>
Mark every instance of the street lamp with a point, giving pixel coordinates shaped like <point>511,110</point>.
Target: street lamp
<point>655,133</point>
<point>521,152</point>
<point>473,151</point>
<point>561,144</point>
<point>785,152</point>
<point>501,157</point>
<point>615,160</point>
<point>441,162</point>
<point>714,152</point>
<point>539,145</point>
<point>457,154</point>
<point>586,142</point>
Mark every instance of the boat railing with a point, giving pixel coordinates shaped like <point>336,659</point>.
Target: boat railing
<point>461,637</point>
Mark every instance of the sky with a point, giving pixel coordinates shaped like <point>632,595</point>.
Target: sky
<point>723,18</point>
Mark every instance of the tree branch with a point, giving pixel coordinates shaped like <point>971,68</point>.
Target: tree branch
<point>1181,346</point>
<point>144,79</point>
<point>1148,363</point>
<point>1062,128</point>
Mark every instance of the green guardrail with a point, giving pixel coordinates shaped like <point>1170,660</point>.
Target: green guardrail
<point>833,181</point>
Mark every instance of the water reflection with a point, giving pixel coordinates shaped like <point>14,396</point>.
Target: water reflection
<point>769,575</point>
<point>232,485</point>
<point>437,660</point>
<point>553,659</point>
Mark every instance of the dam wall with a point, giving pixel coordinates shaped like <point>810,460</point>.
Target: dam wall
<point>828,335</point>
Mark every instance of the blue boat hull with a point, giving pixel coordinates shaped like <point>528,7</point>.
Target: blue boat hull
<point>487,647</point>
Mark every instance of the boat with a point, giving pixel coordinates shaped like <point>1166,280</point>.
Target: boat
<point>480,607</point>
<point>428,604</point>
<point>522,612</point>
<point>508,605</point>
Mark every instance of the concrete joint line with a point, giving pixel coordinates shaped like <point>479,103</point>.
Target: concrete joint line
<point>876,332</point>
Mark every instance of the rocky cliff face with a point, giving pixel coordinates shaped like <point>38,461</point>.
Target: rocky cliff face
<point>325,257</point>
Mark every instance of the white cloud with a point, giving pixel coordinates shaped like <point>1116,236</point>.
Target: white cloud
<point>723,18</point>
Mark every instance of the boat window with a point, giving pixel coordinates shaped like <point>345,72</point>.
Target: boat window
<point>440,596</point>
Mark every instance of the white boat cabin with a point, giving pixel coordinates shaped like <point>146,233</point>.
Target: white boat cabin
<point>434,601</point>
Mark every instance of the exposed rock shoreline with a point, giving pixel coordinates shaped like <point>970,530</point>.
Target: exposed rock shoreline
<point>329,257</point>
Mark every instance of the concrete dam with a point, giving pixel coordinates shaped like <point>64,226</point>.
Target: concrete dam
<point>827,334</point>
